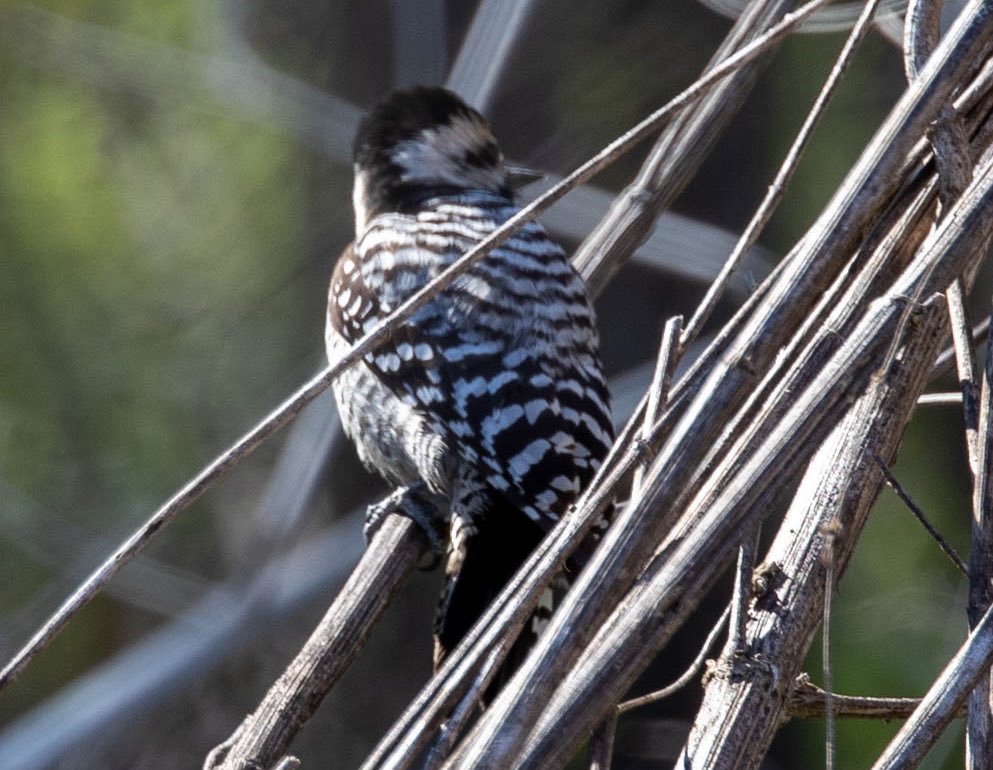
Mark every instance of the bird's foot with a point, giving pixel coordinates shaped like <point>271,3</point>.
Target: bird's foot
<point>410,501</point>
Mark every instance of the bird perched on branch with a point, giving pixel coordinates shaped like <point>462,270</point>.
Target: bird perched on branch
<point>487,408</point>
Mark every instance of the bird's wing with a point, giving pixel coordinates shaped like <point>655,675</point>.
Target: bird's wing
<point>504,362</point>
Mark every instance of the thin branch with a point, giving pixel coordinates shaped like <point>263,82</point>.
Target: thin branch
<point>742,594</point>
<point>940,399</point>
<point>946,359</point>
<point>602,741</point>
<point>965,362</point>
<point>980,726</point>
<point>679,150</point>
<point>265,734</point>
<point>828,532</point>
<point>922,27</point>
<point>455,725</point>
<point>838,18</point>
<point>777,188</point>
<point>496,27</point>
<point>919,514</point>
<point>687,676</point>
<point>658,390</point>
<point>179,502</point>
<point>807,701</point>
<point>134,682</point>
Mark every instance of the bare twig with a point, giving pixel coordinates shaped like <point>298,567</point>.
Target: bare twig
<point>940,399</point>
<point>454,726</point>
<point>965,362</point>
<point>741,596</point>
<point>687,676</point>
<point>980,726</point>
<point>680,149</point>
<point>658,391</point>
<point>777,188</point>
<point>806,701</point>
<point>496,26</point>
<point>829,532</point>
<point>602,741</point>
<point>185,497</point>
<point>919,514</point>
<point>264,735</point>
<point>946,359</point>
<point>920,34</point>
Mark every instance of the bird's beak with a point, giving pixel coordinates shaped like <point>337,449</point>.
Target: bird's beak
<point>520,177</point>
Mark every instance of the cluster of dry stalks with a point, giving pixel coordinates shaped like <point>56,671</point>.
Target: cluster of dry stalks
<point>811,384</point>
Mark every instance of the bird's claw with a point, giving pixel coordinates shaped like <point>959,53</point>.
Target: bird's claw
<point>406,501</point>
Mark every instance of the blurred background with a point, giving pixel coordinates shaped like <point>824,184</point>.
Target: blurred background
<point>174,188</point>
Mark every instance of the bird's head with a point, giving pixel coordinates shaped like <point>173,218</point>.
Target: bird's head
<point>418,143</point>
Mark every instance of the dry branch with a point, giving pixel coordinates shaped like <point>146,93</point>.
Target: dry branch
<point>807,701</point>
<point>777,188</point>
<point>508,729</point>
<point>291,701</point>
<point>979,738</point>
<point>695,550</point>
<point>677,153</point>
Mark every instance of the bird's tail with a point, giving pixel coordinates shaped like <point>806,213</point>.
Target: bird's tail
<point>503,540</point>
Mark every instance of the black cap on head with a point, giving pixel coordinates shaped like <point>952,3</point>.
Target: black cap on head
<point>404,115</point>
<point>419,144</point>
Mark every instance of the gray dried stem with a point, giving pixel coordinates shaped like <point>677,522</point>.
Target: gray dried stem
<point>695,551</point>
<point>687,676</point>
<point>777,188</point>
<point>979,732</point>
<point>919,514</point>
<point>514,732</point>
<point>947,359</point>
<point>807,701</point>
<point>263,737</point>
<point>678,152</point>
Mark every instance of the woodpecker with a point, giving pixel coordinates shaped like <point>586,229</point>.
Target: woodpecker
<point>488,408</point>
